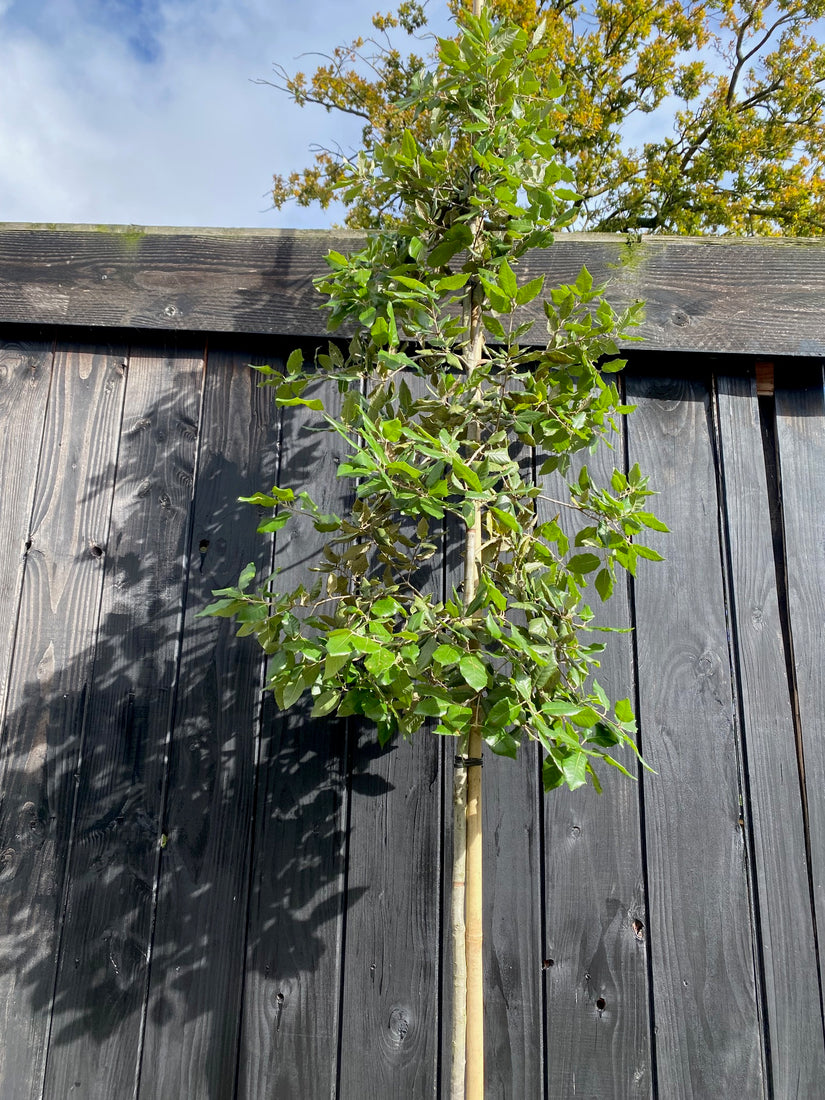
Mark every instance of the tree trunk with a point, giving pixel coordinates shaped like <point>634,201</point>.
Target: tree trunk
<point>467,1068</point>
<point>467,1077</point>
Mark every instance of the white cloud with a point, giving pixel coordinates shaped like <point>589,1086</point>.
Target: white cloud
<point>91,130</point>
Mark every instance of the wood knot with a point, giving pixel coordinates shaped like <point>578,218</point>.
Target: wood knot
<point>8,864</point>
<point>706,664</point>
<point>398,1026</point>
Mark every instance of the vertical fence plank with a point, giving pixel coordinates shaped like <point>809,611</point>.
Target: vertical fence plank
<point>512,946</point>
<point>291,1001</point>
<point>25,372</point>
<point>391,961</point>
<point>101,983</point>
<point>197,960</point>
<point>800,426</point>
<point>53,662</point>
<point>793,1014</point>
<point>595,966</point>
<point>708,1035</point>
<point>512,927</point>
<point>390,1000</point>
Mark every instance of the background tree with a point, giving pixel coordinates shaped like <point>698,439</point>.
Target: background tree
<point>727,98</point>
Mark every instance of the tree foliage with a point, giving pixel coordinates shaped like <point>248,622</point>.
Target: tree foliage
<point>726,96</point>
<point>441,381</point>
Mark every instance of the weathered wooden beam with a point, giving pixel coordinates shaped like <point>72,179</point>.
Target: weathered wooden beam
<point>752,296</point>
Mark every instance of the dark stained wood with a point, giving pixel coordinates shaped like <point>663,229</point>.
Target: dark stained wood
<point>792,1008</point>
<point>198,947</point>
<point>53,661</point>
<point>289,1041</point>
<point>699,930</point>
<point>25,373</point>
<point>300,941</point>
<point>391,946</point>
<point>800,421</point>
<point>101,985</point>
<point>760,296</point>
<point>593,889</point>
<point>513,1038</point>
<point>390,1008</point>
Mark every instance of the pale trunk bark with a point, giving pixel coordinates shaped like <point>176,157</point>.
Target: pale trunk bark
<point>467,1067</point>
<point>467,1076</point>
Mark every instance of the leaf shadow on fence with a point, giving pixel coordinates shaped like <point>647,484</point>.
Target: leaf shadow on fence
<point>172,851</point>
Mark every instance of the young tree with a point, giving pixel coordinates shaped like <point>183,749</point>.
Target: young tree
<point>734,91</point>
<point>442,378</point>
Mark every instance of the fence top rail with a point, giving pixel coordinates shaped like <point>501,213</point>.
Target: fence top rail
<point>708,295</point>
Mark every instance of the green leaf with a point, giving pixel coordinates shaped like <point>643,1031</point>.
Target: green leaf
<point>452,282</point>
<point>507,280</point>
<point>501,742</point>
<point>339,642</point>
<point>274,524</point>
<point>295,361</point>
<point>551,776</point>
<point>624,712</point>
<point>386,607</point>
<point>291,693</point>
<point>574,768</point>
<point>288,402</point>
<point>379,661</point>
<point>506,520</point>
<point>334,663</point>
<point>391,429</point>
<point>447,655</point>
<point>646,552</point>
<point>408,145</point>
<point>494,326</point>
<point>529,291</point>
<point>583,563</point>
<point>247,576</point>
<point>430,707</point>
<point>502,714</point>
<point>560,707</point>
<point>649,520</point>
<point>604,735</point>
<point>467,474</point>
<point>325,703</point>
<point>604,584</point>
<point>222,609</point>
<point>584,283</point>
<point>474,671</point>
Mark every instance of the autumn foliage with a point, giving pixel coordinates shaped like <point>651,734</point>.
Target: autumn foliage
<point>678,117</point>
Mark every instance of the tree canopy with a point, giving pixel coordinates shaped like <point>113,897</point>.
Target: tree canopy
<point>678,117</point>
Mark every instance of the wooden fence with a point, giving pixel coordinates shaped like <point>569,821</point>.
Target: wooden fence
<point>203,898</point>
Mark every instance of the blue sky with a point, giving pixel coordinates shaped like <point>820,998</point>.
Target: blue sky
<point>145,111</point>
